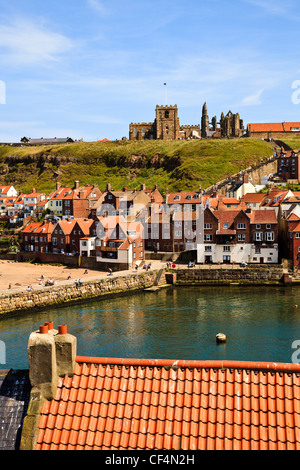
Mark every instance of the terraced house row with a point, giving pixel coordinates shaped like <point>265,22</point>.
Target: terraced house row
<point>122,227</point>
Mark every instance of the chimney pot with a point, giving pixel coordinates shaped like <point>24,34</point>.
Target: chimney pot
<point>62,329</point>
<point>49,324</point>
<point>43,329</point>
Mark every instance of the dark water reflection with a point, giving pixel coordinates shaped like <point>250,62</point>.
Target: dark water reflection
<point>260,323</point>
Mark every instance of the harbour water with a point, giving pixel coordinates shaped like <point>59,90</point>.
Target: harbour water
<point>261,324</point>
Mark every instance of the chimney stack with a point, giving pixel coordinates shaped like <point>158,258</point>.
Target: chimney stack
<point>76,184</point>
<point>58,185</point>
<point>143,186</point>
<point>51,354</point>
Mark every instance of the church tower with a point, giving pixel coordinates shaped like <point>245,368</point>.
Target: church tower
<point>204,121</point>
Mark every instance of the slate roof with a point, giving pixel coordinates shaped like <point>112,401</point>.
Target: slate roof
<point>121,404</point>
<point>14,399</point>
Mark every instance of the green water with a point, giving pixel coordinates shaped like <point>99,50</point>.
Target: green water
<point>260,323</point>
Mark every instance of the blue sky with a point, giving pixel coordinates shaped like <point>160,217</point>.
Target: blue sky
<point>87,68</point>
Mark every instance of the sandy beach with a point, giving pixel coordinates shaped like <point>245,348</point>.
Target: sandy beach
<point>17,276</point>
<point>27,274</point>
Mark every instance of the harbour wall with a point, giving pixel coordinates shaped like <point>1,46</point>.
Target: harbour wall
<point>232,275</point>
<point>59,295</point>
<point>42,297</point>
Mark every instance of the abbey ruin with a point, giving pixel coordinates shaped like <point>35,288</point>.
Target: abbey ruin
<point>166,126</point>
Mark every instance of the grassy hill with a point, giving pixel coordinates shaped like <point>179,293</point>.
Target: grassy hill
<point>176,165</point>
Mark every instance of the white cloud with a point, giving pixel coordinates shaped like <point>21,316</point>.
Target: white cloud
<point>24,41</point>
<point>286,9</point>
<point>253,100</point>
<point>98,6</point>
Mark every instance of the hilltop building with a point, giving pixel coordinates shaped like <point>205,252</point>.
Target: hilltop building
<point>273,130</point>
<point>166,126</point>
<point>229,126</point>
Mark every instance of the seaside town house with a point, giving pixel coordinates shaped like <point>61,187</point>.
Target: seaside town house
<point>78,201</point>
<point>119,244</point>
<point>237,236</point>
<point>288,167</point>
<point>36,237</point>
<point>171,232</point>
<point>293,239</point>
<point>82,228</point>
<point>8,191</point>
<point>55,199</point>
<point>61,236</point>
<point>127,203</point>
<point>184,201</point>
<point>31,201</point>
<point>240,186</point>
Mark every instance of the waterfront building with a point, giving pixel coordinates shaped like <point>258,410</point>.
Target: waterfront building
<point>239,236</point>
<point>119,244</point>
<point>37,237</point>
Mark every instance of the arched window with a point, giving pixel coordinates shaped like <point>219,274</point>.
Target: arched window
<point>135,132</point>
<point>143,132</point>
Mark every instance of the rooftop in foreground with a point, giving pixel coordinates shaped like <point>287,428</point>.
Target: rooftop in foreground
<point>88,403</point>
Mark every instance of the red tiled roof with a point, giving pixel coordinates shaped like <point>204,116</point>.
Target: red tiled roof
<point>273,126</point>
<point>118,404</point>
<point>267,216</point>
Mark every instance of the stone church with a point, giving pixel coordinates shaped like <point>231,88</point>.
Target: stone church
<point>167,127</point>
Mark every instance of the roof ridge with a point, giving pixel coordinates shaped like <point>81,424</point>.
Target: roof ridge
<point>216,364</point>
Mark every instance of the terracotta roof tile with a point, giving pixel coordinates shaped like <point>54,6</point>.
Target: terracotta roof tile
<point>128,404</point>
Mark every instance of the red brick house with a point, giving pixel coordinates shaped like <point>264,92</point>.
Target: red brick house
<point>78,201</point>
<point>36,237</point>
<point>171,232</point>
<point>236,236</point>
<point>293,239</point>
<point>61,236</point>
<point>82,228</point>
<point>119,243</point>
<point>288,166</point>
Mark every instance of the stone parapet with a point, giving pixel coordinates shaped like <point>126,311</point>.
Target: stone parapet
<point>88,290</point>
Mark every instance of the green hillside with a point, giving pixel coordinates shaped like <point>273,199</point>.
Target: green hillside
<point>176,165</point>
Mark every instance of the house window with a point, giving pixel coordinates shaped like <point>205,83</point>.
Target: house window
<point>241,236</point>
<point>208,238</point>
<point>269,236</point>
<point>258,236</point>
<point>297,235</point>
<point>226,259</point>
<point>207,226</point>
<point>268,226</point>
<point>226,248</point>
<point>207,248</point>
<point>241,226</point>
<point>257,226</point>
<point>226,225</point>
